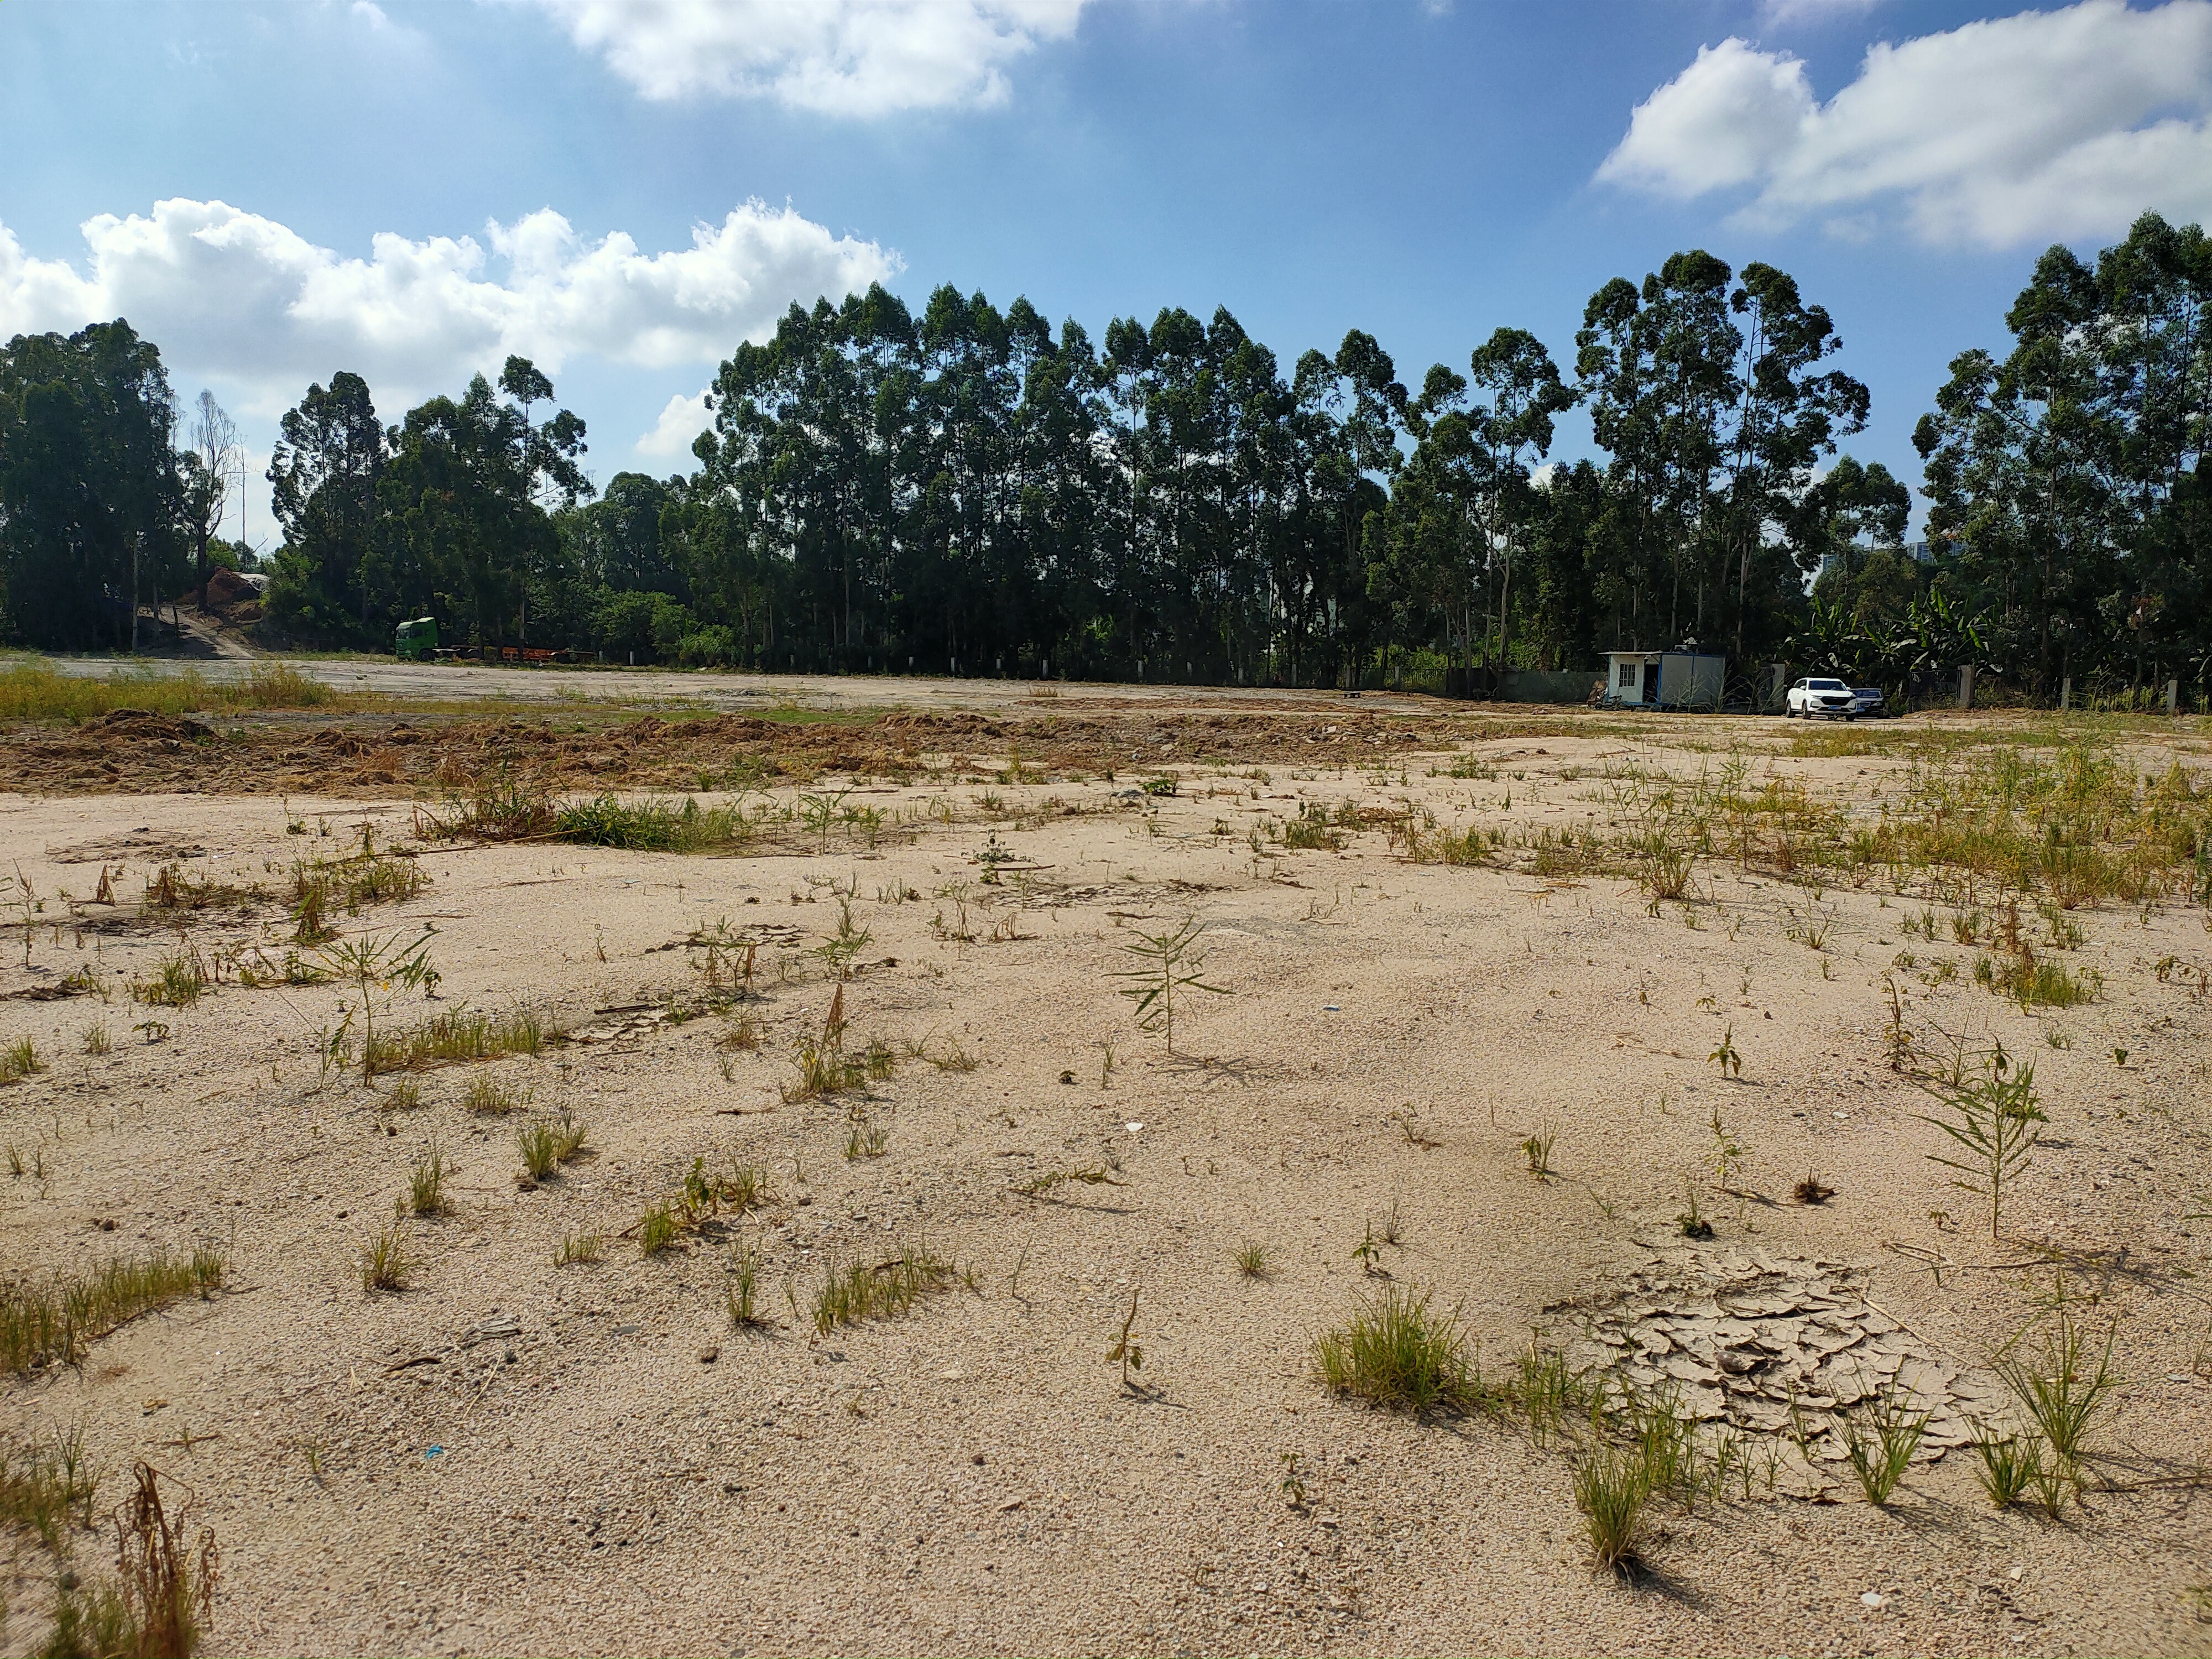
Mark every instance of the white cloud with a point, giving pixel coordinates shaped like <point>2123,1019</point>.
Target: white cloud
<point>243,300</point>
<point>2061,124</point>
<point>681,420</point>
<point>848,58</point>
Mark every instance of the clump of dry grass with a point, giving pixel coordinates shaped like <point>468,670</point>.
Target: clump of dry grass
<point>164,1594</point>
<point>50,1324</point>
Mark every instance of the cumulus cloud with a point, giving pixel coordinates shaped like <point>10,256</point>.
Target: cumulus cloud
<point>682,419</point>
<point>242,298</point>
<point>846,58</point>
<point>2061,124</point>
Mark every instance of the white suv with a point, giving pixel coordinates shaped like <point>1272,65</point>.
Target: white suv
<point>1824,697</point>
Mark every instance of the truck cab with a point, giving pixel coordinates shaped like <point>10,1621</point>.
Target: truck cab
<point>416,640</point>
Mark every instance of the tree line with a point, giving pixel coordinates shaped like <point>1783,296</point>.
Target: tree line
<point>970,490</point>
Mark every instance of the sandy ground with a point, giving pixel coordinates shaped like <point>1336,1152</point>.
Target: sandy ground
<point>514,1457</point>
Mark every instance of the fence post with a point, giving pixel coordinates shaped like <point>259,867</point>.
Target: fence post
<point>2173,696</point>
<point>1966,686</point>
<point>2065,694</point>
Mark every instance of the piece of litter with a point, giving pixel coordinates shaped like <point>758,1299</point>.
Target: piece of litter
<point>433,1451</point>
<point>1875,1599</point>
<point>1132,1128</point>
<point>1840,1115</point>
<point>1330,1008</point>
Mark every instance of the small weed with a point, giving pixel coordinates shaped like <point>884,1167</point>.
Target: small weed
<point>1725,1056</point>
<point>1170,961</point>
<point>1252,1261</point>
<point>384,1264</point>
<point>426,1184</point>
<point>659,1229</point>
<point>2011,1465</point>
<point>547,1143</point>
<point>97,1040</point>
<point>1125,1351</point>
<point>1995,1125</point>
<point>1879,1451</point>
<point>1693,1221</point>
<point>742,1296</point>
<point>1811,1190</point>
<point>20,1060</point>
<point>866,1140</point>
<point>492,1096</point>
<point>1537,1149</point>
<point>579,1249</point>
<point>177,981</point>
<point>2057,1388</point>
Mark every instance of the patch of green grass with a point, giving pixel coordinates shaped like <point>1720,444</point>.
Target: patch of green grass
<point>460,1037</point>
<point>426,1184</point>
<point>1611,1490</point>
<point>651,826</point>
<point>50,1324</point>
<point>20,1060</point>
<point>37,691</point>
<point>1251,1259</point>
<point>1396,1353</point>
<point>858,1290</point>
<point>549,1142</point>
<point>579,1249</point>
<point>385,1263</point>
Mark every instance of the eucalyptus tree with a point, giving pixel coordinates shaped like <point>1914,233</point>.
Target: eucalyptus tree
<point>93,505</point>
<point>462,502</point>
<point>331,575</point>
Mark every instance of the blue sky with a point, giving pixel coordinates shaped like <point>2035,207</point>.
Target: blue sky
<point>1425,171</point>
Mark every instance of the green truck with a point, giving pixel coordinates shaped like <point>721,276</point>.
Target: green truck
<point>417,641</point>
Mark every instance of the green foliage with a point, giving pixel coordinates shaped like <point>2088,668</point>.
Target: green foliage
<point>1994,1123</point>
<point>1396,1352</point>
<point>1169,962</point>
<point>857,1290</point>
<point>50,1322</point>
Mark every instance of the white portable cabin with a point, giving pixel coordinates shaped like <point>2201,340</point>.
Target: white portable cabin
<point>1664,679</point>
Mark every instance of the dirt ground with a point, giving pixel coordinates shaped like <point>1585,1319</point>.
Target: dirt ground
<point>509,1455</point>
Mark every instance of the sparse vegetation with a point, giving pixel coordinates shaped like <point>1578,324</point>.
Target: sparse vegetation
<point>855,1291</point>
<point>51,1323</point>
<point>1253,1260</point>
